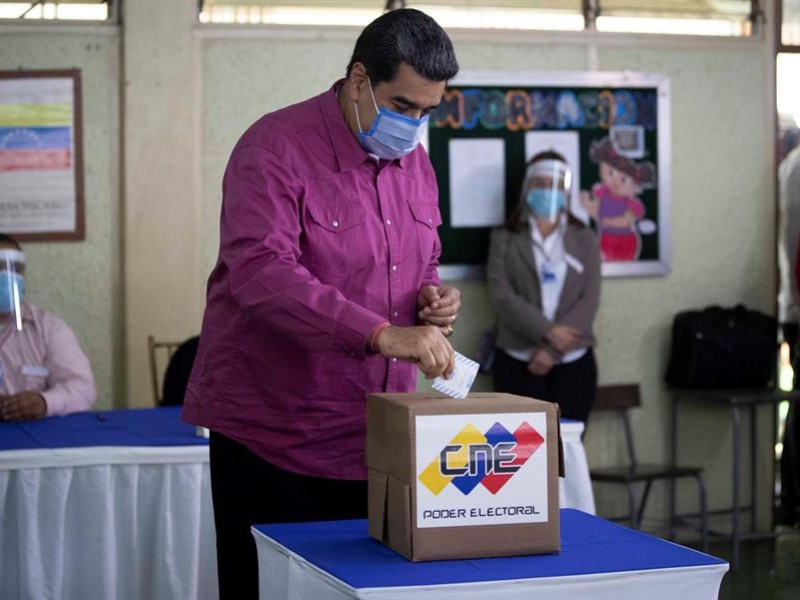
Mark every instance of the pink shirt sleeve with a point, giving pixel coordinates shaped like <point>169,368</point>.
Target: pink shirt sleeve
<point>70,383</point>
<point>431,276</point>
<point>259,243</point>
<point>432,273</point>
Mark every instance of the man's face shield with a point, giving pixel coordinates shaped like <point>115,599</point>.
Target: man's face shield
<point>546,188</point>
<point>12,285</point>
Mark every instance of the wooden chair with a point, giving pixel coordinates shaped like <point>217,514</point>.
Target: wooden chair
<point>158,368</point>
<point>621,399</point>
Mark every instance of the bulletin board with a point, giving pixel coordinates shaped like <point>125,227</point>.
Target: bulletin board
<point>41,155</point>
<point>612,128</point>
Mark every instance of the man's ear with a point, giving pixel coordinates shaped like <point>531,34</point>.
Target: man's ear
<point>358,79</point>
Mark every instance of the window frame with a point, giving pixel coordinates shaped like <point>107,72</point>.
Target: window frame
<point>590,9</point>
<point>113,18</point>
<point>782,48</point>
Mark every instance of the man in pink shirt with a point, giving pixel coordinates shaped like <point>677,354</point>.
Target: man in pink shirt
<point>43,371</point>
<point>325,289</point>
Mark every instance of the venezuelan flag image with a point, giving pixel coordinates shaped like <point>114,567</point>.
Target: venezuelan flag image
<point>37,150</point>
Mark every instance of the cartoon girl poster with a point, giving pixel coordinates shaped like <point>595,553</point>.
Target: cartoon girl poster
<point>613,202</point>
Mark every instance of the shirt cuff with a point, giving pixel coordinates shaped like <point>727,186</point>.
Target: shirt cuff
<point>431,278</point>
<point>353,328</point>
<point>55,402</point>
<point>61,402</point>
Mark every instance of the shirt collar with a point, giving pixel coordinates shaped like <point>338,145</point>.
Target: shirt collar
<point>551,239</point>
<point>348,151</point>
<point>27,315</point>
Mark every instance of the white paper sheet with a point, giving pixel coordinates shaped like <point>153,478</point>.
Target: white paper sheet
<point>461,381</point>
<point>477,182</point>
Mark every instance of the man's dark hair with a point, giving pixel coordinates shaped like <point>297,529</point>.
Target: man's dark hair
<point>406,36</point>
<point>9,241</point>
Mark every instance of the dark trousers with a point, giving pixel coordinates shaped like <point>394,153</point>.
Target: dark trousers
<point>571,386</point>
<point>789,500</point>
<point>246,490</point>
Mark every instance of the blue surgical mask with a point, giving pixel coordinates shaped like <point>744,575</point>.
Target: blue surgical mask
<point>545,203</point>
<point>7,291</point>
<point>391,135</point>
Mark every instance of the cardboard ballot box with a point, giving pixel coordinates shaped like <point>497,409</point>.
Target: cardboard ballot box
<point>465,478</point>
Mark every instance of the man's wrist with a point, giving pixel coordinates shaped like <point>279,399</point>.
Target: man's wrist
<point>43,405</point>
<point>372,339</point>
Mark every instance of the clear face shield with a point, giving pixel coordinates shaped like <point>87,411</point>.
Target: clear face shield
<point>546,189</point>
<point>12,286</point>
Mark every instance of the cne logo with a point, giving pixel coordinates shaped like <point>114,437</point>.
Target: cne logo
<point>490,459</point>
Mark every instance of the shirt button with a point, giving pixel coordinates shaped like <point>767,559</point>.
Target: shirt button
<point>430,221</point>
<point>388,221</point>
<point>335,223</point>
<point>394,313</point>
<point>394,360</point>
<point>394,267</point>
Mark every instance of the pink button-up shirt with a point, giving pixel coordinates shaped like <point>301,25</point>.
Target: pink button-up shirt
<point>319,243</point>
<point>46,357</point>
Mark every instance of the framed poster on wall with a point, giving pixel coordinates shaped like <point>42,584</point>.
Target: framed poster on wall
<point>612,128</point>
<point>41,155</point>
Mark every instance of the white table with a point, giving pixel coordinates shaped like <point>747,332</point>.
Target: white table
<point>117,506</point>
<point>106,522</point>
<point>599,560</point>
<point>575,488</point>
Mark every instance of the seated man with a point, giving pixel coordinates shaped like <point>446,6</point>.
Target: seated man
<point>43,370</point>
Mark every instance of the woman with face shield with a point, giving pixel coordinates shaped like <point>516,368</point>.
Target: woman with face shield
<point>544,285</point>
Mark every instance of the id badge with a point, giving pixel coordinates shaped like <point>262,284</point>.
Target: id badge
<point>35,371</point>
<point>548,274</point>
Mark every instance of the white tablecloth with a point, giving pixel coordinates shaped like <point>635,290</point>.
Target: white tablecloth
<point>135,523</point>
<point>107,523</point>
<point>575,489</point>
<point>599,561</point>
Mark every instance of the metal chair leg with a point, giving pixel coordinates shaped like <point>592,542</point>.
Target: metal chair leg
<point>632,507</point>
<point>701,488</point>
<point>644,500</point>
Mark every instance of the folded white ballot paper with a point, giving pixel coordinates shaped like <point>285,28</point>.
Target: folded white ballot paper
<point>461,381</point>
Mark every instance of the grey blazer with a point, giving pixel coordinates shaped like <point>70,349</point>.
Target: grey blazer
<point>515,293</point>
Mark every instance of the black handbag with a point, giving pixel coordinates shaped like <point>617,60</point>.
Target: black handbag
<point>722,348</point>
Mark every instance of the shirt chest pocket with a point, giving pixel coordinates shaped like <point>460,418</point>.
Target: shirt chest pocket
<point>336,238</point>
<point>426,219</point>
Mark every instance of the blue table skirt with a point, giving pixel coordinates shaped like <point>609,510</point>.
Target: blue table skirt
<point>135,427</point>
<point>589,546</point>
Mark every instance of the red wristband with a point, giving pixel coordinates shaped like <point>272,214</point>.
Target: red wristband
<point>373,337</point>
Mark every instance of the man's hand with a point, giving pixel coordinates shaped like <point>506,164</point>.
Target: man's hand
<point>25,406</point>
<point>563,338</point>
<point>423,345</point>
<point>439,306</point>
<point>541,362</point>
